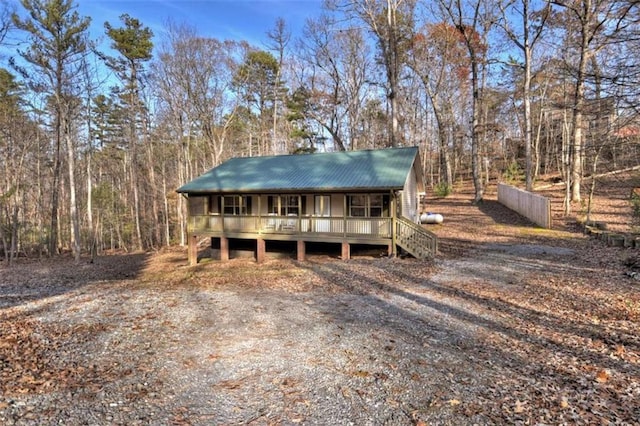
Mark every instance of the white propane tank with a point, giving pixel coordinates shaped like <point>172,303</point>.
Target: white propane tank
<point>431,218</point>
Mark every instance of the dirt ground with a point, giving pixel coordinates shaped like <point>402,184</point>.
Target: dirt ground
<point>510,324</point>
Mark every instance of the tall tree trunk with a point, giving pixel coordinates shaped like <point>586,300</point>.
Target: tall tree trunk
<point>167,229</point>
<point>446,174</point>
<point>529,169</point>
<point>392,72</point>
<point>73,207</point>
<point>54,232</point>
<point>153,193</point>
<point>476,160</point>
<point>577,122</point>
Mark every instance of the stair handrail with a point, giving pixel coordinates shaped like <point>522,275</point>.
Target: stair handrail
<point>418,241</point>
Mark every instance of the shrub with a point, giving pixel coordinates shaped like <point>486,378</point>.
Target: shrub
<point>513,173</point>
<point>634,200</point>
<point>442,189</point>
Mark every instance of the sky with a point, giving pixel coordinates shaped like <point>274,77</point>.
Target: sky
<point>247,20</point>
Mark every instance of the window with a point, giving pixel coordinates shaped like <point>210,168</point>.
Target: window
<point>273,205</point>
<point>322,205</point>
<point>357,205</point>
<point>213,204</point>
<point>236,205</point>
<point>368,205</point>
<point>290,205</point>
<point>377,205</point>
<point>283,205</point>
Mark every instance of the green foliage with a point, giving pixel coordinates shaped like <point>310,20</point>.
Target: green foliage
<point>304,149</point>
<point>133,41</point>
<point>634,200</point>
<point>8,194</point>
<point>257,81</point>
<point>298,105</point>
<point>513,173</point>
<point>442,189</point>
<point>57,33</point>
<point>9,88</point>
<point>104,196</point>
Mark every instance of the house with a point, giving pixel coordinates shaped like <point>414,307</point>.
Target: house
<point>356,197</point>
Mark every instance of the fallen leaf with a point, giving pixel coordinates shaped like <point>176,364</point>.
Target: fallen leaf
<point>519,408</point>
<point>564,403</point>
<point>361,373</point>
<point>602,376</point>
<point>454,402</point>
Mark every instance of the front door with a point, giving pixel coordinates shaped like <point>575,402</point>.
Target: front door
<point>322,208</point>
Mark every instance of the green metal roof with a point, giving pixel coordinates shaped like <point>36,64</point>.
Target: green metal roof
<point>382,169</point>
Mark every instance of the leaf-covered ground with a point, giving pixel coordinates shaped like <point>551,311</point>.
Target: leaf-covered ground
<point>511,324</point>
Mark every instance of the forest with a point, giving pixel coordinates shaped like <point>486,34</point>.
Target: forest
<point>94,143</point>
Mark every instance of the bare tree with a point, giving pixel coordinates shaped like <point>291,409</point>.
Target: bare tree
<point>391,23</point>
<point>279,38</point>
<point>438,57</point>
<point>335,79</point>
<point>525,38</point>
<point>7,11</point>
<point>473,20</point>
<point>591,25</point>
<point>197,108</point>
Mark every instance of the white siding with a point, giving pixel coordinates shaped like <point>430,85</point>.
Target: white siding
<point>409,198</point>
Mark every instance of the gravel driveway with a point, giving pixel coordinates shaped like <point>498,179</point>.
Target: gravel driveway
<point>142,339</point>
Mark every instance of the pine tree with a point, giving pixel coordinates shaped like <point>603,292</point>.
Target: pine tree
<point>58,39</point>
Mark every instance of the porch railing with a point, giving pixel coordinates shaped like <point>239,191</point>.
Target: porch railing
<point>415,239</point>
<point>375,227</point>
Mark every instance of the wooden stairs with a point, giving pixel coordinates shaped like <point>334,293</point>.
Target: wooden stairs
<point>416,240</point>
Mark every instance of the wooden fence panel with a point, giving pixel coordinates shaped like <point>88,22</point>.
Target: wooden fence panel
<point>534,207</point>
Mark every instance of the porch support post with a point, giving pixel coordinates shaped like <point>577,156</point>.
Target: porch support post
<point>224,249</point>
<point>346,250</point>
<point>390,250</point>
<point>394,213</point>
<point>344,214</point>
<point>259,227</point>
<point>261,249</point>
<point>192,250</point>
<point>301,250</point>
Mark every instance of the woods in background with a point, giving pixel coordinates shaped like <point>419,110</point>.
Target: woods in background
<point>93,144</point>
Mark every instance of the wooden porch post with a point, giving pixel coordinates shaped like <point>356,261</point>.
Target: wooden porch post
<point>260,250</point>
<point>259,224</point>
<point>394,203</point>
<point>224,249</point>
<point>192,250</point>
<point>344,215</point>
<point>346,250</point>
<point>301,250</point>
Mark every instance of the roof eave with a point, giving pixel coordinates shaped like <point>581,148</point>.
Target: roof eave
<point>289,190</point>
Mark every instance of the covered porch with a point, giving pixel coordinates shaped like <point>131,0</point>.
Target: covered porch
<point>336,218</point>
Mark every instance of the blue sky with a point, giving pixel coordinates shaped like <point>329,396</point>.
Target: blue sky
<point>223,19</point>
<point>247,20</point>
